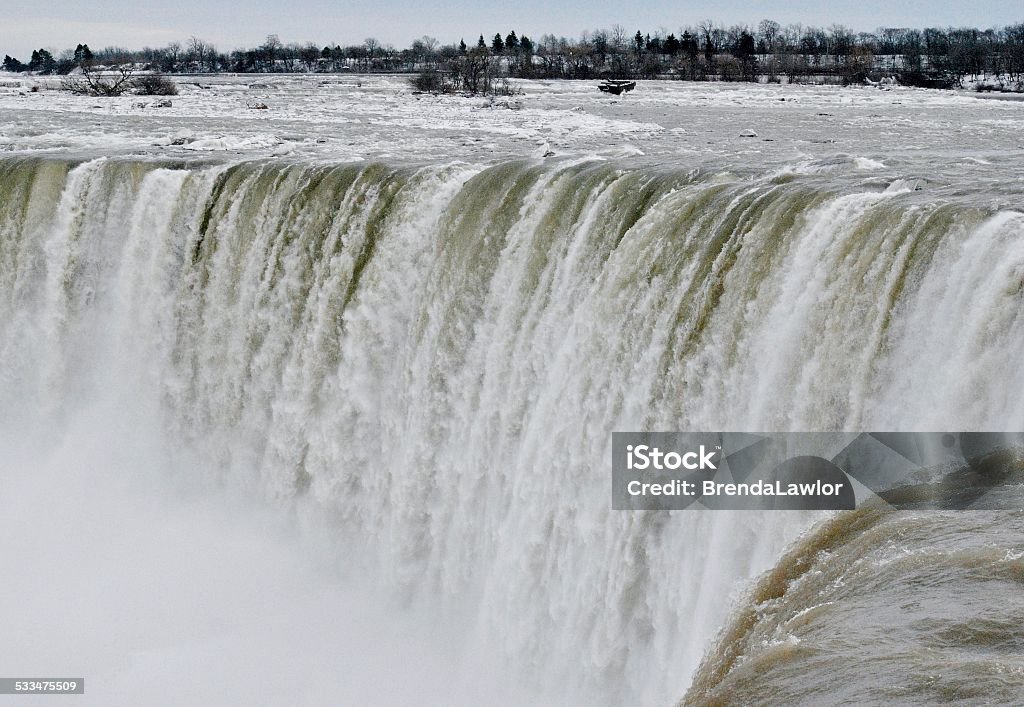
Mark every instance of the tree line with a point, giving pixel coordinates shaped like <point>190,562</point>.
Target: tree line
<point>769,51</point>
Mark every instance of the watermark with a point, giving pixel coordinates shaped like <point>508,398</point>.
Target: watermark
<point>42,686</point>
<point>817,471</point>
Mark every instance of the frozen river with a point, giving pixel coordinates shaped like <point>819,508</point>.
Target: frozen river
<point>922,134</point>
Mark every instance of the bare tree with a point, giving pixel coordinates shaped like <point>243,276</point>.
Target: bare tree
<point>171,56</point>
<point>310,56</point>
<point>618,38</point>
<point>424,51</point>
<point>474,72</point>
<point>768,30</point>
<point>154,85</point>
<point>271,51</point>
<point>101,83</point>
<point>201,53</point>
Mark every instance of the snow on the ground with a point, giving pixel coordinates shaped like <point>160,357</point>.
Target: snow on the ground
<point>351,118</point>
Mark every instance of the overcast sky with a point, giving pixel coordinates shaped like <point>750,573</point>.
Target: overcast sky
<point>59,24</point>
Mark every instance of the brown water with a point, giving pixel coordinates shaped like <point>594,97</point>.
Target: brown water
<point>881,607</point>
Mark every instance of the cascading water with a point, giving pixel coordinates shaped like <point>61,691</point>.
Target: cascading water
<point>433,359</point>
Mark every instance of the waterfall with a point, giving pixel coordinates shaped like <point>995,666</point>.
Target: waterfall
<point>433,359</point>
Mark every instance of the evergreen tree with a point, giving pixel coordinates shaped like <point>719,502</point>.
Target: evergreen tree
<point>745,52</point>
<point>42,61</point>
<point>12,64</point>
<point>462,46</point>
<point>512,42</point>
<point>497,44</point>
<point>82,54</point>
<point>481,44</point>
<point>746,47</point>
<point>689,45</point>
<point>672,45</point>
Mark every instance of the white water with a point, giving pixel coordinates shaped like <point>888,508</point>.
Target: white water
<point>424,367</point>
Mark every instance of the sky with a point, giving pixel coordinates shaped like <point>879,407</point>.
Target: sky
<point>60,24</point>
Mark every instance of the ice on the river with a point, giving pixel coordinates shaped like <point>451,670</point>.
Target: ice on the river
<point>351,118</point>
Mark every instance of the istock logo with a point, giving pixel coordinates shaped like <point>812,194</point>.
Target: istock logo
<point>655,471</point>
<point>642,457</point>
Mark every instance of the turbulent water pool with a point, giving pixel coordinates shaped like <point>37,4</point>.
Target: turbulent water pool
<point>314,403</point>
